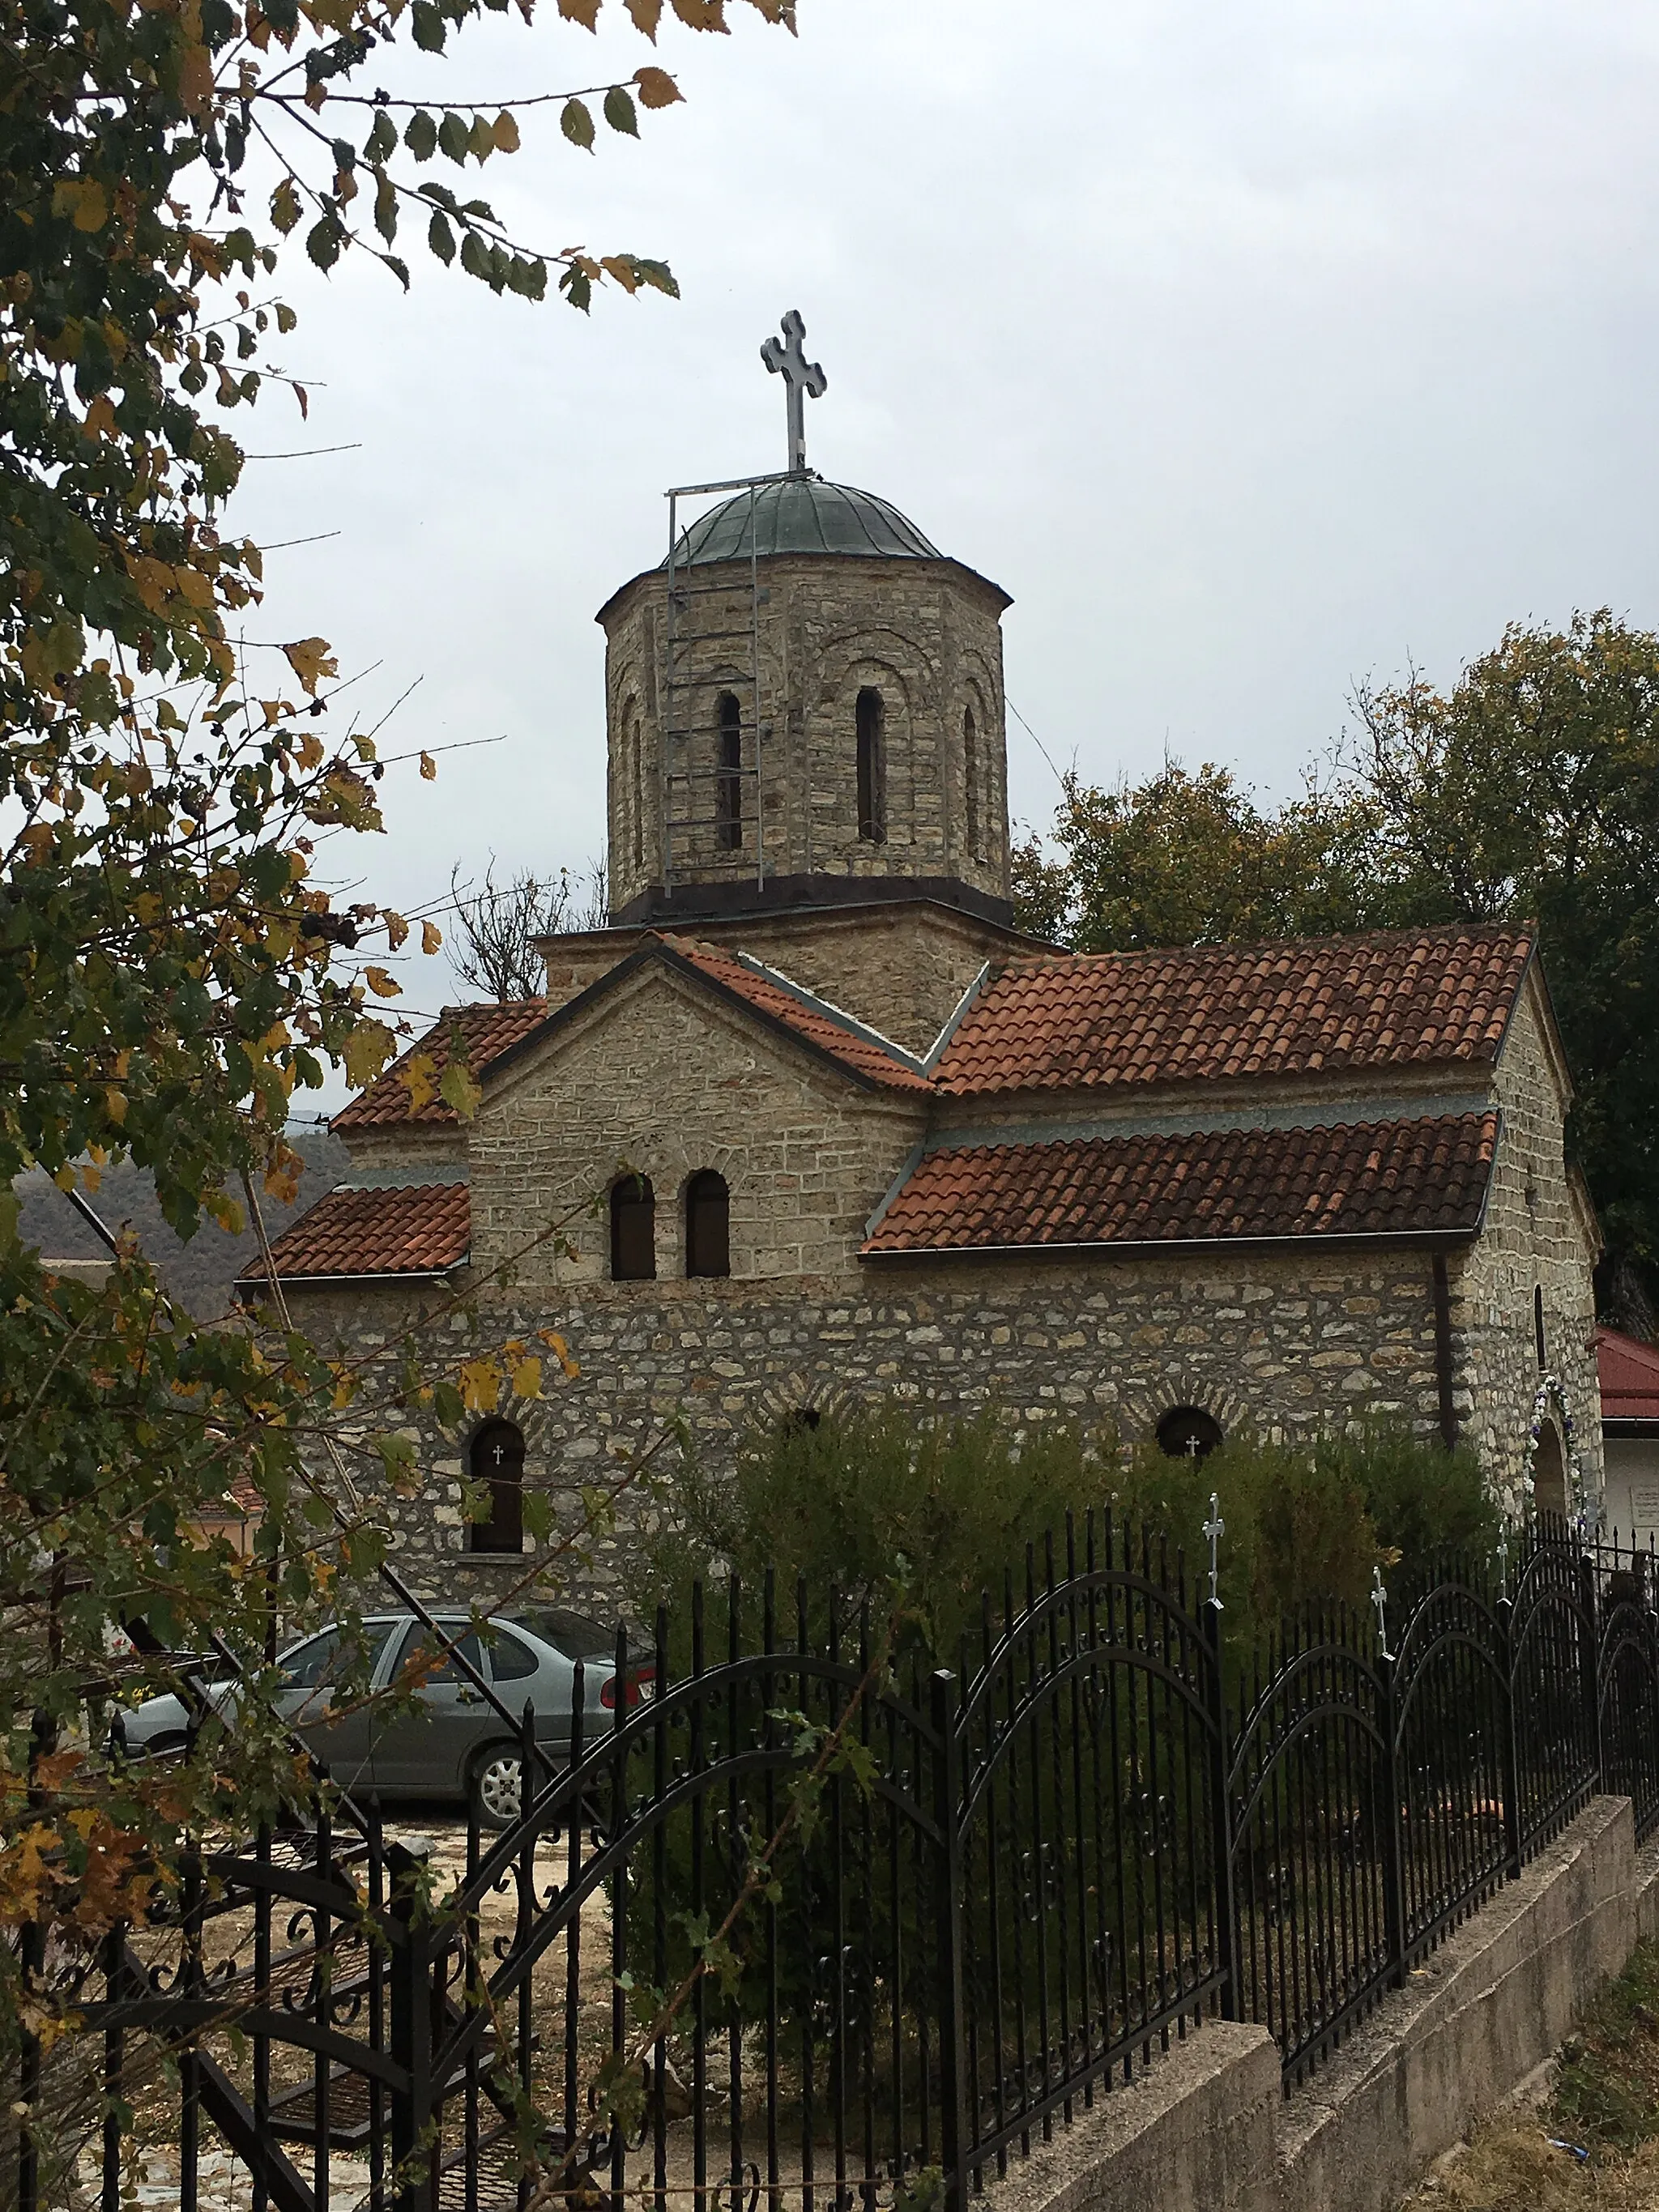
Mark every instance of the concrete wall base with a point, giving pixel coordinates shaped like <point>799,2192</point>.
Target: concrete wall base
<point>1207,2128</point>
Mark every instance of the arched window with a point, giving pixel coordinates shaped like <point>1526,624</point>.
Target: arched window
<point>632,1231</point>
<point>637,749</point>
<point>873,766</point>
<point>728,781</point>
<point>707,1225</point>
<point>1549,1476</point>
<point>1538,1340</point>
<point>970,776</point>
<point>1189,1432</point>
<point>495,1455</point>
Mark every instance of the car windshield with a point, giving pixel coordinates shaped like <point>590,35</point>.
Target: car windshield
<point>572,1633</point>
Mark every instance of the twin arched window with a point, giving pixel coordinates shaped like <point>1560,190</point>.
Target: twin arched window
<point>633,1227</point>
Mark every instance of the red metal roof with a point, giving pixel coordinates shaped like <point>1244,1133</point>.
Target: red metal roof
<point>487,1031</point>
<point>1110,1020</point>
<point>1382,1179</point>
<point>1629,1371</point>
<point>409,1230</point>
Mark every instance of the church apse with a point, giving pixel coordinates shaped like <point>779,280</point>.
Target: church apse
<point>805,705</point>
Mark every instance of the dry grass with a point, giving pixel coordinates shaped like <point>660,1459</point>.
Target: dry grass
<point>1604,2100</point>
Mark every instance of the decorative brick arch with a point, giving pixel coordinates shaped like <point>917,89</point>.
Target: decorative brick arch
<point>1144,1405</point>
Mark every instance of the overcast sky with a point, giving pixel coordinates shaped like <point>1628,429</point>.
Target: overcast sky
<point>1253,346</point>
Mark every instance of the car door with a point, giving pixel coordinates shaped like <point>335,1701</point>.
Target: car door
<point>425,1752</point>
<point>338,1728</point>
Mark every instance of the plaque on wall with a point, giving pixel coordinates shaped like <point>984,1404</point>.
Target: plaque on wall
<point>1644,1504</point>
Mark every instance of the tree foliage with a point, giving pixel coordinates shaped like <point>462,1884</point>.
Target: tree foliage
<point>1529,791</point>
<point>173,965</point>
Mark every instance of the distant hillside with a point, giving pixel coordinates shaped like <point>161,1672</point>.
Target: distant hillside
<point>200,1274</point>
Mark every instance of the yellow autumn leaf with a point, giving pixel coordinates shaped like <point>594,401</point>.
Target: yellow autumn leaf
<point>91,1179</point>
<point>419,1077</point>
<point>310,660</point>
<point>366,1051</point>
<point>504,131</point>
<point>382,985</point>
<point>561,1351</point>
<point>101,418</point>
<point>396,929</point>
<point>481,1386</point>
<point>115,1105</point>
<point>527,1379</point>
<point>431,937</point>
<point>429,769</point>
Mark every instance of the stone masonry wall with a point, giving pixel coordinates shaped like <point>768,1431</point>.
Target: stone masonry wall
<point>1283,1344</point>
<point>924,634</point>
<point>663,1078</point>
<point>1535,1234</point>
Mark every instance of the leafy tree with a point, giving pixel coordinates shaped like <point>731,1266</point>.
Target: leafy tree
<point>1190,859</point>
<point>1531,790</point>
<point>170,969</point>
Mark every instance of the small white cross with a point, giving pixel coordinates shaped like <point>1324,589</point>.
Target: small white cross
<point>499,1454</point>
<point>1215,1529</point>
<point>786,357</point>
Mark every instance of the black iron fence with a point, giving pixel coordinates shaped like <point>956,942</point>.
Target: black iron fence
<point>810,1928</point>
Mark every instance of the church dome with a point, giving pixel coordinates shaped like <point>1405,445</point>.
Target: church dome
<point>804,515</point>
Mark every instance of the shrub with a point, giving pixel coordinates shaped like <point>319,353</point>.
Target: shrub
<point>887,1508</point>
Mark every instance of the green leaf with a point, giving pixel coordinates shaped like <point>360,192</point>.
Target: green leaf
<point>286,318</point>
<point>382,141</point>
<point>659,276</point>
<point>421,134</point>
<point>481,140</point>
<point>399,269</point>
<point>577,125</point>
<point>385,210</point>
<point>429,33</point>
<point>577,286</point>
<point>619,111</point>
<point>452,137</point>
<point>323,242</point>
<point>440,238</point>
<point>457,1089</point>
<point>474,255</point>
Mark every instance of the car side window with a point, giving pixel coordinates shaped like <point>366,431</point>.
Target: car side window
<point>304,1667</point>
<point>417,1644</point>
<point>512,1658</point>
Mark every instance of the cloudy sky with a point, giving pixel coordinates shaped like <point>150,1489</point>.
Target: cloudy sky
<point>1253,345</point>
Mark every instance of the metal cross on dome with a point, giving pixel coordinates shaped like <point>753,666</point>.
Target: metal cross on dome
<point>786,357</point>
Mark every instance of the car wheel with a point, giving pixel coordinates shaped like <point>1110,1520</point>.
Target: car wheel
<point>498,1787</point>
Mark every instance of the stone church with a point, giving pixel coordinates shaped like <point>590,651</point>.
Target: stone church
<point>824,1125</point>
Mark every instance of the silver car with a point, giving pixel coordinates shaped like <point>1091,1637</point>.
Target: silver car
<point>454,1744</point>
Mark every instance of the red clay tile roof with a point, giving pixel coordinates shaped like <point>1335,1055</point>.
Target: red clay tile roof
<point>1110,1020</point>
<point>488,1031</point>
<point>1629,1376</point>
<point>409,1230</point>
<point>1388,1178</point>
<point>840,1034</point>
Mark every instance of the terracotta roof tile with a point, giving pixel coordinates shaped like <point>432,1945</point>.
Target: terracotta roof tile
<point>840,1034</point>
<point>409,1230</point>
<point>1629,1376</point>
<point>1375,1180</point>
<point>1111,1020</point>
<point>487,1029</point>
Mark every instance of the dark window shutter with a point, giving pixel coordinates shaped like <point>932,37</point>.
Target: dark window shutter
<point>632,1231</point>
<point>707,1225</point>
